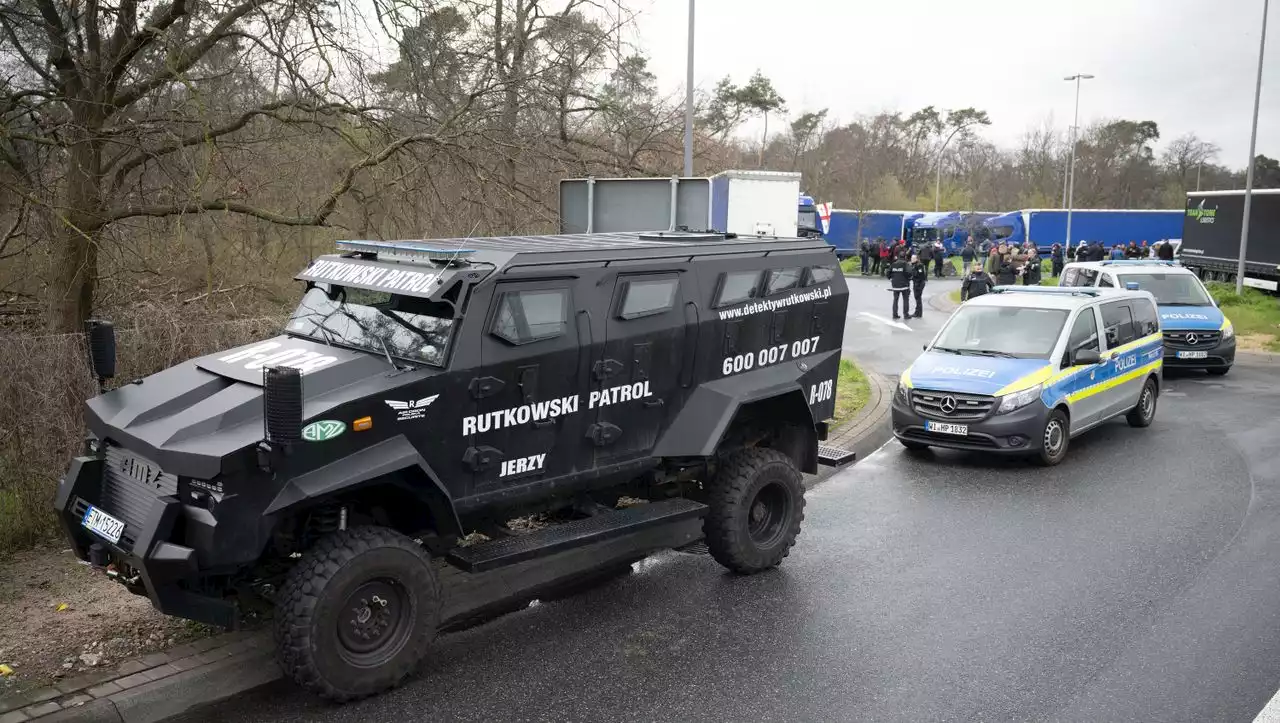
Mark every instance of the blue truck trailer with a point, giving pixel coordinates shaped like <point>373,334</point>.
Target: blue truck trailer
<point>953,227</point>
<point>849,227</point>
<point>1046,227</point>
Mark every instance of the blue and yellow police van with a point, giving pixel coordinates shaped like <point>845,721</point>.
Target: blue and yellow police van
<point>1197,334</point>
<point>1024,369</point>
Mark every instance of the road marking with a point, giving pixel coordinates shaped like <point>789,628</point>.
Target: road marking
<point>1271,713</point>
<point>882,320</point>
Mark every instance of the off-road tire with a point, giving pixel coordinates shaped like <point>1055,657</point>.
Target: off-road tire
<point>1218,371</point>
<point>1144,412</point>
<point>1046,456</point>
<point>313,603</point>
<point>731,496</point>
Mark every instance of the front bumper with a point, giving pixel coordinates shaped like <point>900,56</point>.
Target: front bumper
<point>1222,355</point>
<point>1018,432</point>
<point>145,559</point>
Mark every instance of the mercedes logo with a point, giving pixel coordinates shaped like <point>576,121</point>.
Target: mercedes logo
<point>948,405</point>
<point>1192,339</point>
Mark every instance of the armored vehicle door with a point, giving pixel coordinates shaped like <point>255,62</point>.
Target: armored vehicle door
<point>636,380</point>
<point>526,423</point>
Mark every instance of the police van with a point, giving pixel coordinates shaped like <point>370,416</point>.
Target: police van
<point>1024,369</point>
<point>1196,333</point>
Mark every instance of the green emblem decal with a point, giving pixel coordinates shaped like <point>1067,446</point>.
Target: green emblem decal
<point>323,430</point>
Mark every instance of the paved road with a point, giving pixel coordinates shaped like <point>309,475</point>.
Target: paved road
<point>1135,582</point>
<point>871,335</point>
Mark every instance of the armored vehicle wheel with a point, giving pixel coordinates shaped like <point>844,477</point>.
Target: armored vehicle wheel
<point>756,506</point>
<point>357,613</point>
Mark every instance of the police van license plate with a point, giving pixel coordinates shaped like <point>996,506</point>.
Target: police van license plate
<point>1192,354</point>
<point>946,428</point>
<point>105,525</point>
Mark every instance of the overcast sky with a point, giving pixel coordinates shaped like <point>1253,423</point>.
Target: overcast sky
<point>1189,65</point>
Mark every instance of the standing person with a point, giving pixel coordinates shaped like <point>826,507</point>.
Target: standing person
<point>976,283</point>
<point>1145,251</point>
<point>1082,251</point>
<point>1117,252</point>
<point>1007,273</point>
<point>1097,252</point>
<point>925,254</point>
<point>875,256</point>
<point>1032,271</point>
<point>919,275</point>
<point>886,255</point>
<point>864,253</point>
<point>939,255</point>
<point>967,253</point>
<point>1055,257</point>
<point>1132,251</point>
<point>1164,251</point>
<point>984,250</point>
<point>899,271</point>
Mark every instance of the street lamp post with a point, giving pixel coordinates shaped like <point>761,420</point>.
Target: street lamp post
<point>1253,147</point>
<point>1066,173</point>
<point>1071,166</point>
<point>688,102</point>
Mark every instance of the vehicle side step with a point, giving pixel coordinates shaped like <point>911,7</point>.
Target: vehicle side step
<point>834,456</point>
<point>579,533</point>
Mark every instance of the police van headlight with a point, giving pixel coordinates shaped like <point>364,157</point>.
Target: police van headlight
<point>1018,400</point>
<point>1228,331</point>
<point>903,392</point>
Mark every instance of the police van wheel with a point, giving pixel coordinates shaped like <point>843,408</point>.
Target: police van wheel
<point>1145,411</point>
<point>357,613</point>
<point>756,505</point>
<point>1055,439</point>
<point>1218,371</point>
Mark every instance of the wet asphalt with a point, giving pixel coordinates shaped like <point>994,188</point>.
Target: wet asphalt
<point>1135,582</point>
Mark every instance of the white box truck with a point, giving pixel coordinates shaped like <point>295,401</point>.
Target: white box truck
<point>747,203</point>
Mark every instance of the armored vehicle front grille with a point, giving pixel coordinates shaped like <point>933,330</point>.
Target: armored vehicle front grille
<point>951,405</point>
<point>130,487</point>
<point>1192,339</point>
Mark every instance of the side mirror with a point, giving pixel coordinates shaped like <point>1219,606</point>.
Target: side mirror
<point>1086,356</point>
<point>102,349</point>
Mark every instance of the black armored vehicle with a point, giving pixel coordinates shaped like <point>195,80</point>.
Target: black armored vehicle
<point>361,471</point>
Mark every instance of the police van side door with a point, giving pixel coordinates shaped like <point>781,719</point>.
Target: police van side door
<point>637,378</point>
<point>1119,329</point>
<point>525,424</point>
<point>1086,408</point>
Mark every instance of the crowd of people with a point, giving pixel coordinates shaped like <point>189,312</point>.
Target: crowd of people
<point>988,263</point>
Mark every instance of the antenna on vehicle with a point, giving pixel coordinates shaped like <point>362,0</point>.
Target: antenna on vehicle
<point>461,243</point>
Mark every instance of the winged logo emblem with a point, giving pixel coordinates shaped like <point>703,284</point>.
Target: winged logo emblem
<point>412,409</point>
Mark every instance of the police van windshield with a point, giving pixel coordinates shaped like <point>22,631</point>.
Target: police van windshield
<point>376,321</point>
<point>1170,289</point>
<point>1000,331</point>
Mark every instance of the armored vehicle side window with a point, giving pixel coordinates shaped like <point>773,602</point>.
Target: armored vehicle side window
<point>528,316</point>
<point>648,297</point>
<point>1117,322</point>
<point>783,280</point>
<point>1145,317</point>
<point>1084,333</point>
<point>737,286</point>
<point>819,275</point>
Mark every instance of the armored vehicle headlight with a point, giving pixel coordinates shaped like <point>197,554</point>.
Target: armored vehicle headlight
<point>1018,400</point>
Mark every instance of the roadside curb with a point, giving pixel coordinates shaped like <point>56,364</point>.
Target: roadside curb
<point>942,302</point>
<point>865,431</point>
<point>156,686</point>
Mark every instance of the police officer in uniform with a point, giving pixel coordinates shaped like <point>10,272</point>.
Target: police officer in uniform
<point>976,283</point>
<point>919,275</point>
<point>900,284</point>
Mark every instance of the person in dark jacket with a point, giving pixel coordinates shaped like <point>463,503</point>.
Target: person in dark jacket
<point>875,256</point>
<point>1097,252</point>
<point>1164,251</point>
<point>939,255</point>
<point>1006,273</point>
<point>899,271</point>
<point>976,283</point>
<point>1132,251</point>
<point>925,254</point>
<point>1080,252</point>
<point>864,254</point>
<point>919,275</point>
<point>1055,256</point>
<point>967,254</point>
<point>1031,271</point>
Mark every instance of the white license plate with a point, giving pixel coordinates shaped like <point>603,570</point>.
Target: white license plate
<point>1193,354</point>
<point>947,428</point>
<point>103,524</point>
